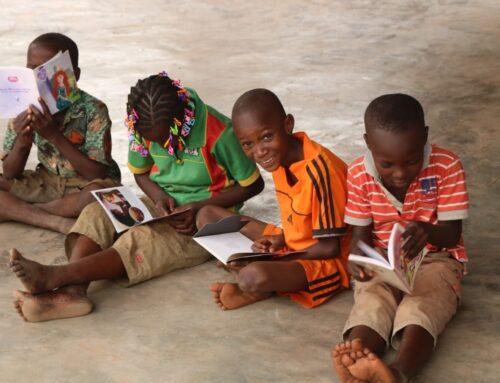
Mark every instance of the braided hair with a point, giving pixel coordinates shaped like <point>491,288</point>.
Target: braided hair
<point>155,100</point>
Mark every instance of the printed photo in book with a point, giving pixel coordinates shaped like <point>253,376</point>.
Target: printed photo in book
<point>125,209</point>
<point>224,240</point>
<point>53,81</point>
<point>396,270</point>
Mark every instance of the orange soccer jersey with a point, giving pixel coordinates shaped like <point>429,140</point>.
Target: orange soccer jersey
<point>313,208</point>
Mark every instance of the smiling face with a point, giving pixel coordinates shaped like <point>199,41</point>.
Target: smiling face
<point>266,141</point>
<point>398,156</point>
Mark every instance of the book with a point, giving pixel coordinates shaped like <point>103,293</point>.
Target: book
<point>125,209</point>
<point>53,81</point>
<point>396,270</point>
<point>224,240</point>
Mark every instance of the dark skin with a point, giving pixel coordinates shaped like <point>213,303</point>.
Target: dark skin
<point>47,126</point>
<point>398,159</point>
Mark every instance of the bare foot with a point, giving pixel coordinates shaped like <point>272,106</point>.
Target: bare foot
<point>35,277</point>
<point>357,364</point>
<point>58,304</point>
<point>229,296</point>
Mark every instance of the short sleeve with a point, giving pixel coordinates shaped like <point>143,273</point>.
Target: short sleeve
<point>98,136</point>
<point>10,137</point>
<point>453,199</point>
<point>328,197</point>
<point>139,163</point>
<point>229,154</point>
<point>358,210</point>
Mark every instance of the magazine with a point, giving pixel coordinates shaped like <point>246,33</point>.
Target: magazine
<point>125,209</point>
<point>224,240</point>
<point>396,270</point>
<point>53,81</point>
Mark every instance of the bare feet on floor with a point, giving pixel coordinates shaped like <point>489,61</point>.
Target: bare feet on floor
<point>58,304</point>
<point>357,364</point>
<point>35,277</point>
<point>229,296</point>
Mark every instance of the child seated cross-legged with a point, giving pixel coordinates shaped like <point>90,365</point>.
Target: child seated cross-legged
<point>74,152</point>
<point>402,179</point>
<point>310,185</point>
<point>183,154</point>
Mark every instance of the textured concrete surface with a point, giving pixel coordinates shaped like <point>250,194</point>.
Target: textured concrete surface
<point>326,60</point>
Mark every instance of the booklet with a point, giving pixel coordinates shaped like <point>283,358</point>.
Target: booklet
<point>125,209</point>
<point>54,81</point>
<point>396,270</point>
<point>224,240</point>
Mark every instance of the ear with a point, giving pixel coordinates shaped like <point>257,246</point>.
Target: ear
<point>367,140</point>
<point>77,73</point>
<point>426,133</point>
<point>289,124</point>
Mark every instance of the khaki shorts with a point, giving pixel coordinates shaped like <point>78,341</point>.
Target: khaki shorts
<point>432,304</point>
<point>40,186</point>
<point>146,251</point>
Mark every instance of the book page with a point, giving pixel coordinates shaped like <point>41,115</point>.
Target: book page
<point>57,82</point>
<point>123,207</point>
<point>223,246</point>
<point>18,89</point>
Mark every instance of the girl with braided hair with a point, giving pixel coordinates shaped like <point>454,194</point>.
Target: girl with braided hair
<point>184,155</point>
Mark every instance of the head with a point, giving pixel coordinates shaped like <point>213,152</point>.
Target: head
<point>46,46</point>
<point>263,129</point>
<point>156,101</point>
<point>396,135</point>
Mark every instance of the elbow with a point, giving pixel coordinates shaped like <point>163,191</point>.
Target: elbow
<point>255,188</point>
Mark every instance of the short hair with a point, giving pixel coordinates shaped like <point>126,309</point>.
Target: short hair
<point>259,100</point>
<point>395,113</point>
<point>59,42</point>
<point>155,99</point>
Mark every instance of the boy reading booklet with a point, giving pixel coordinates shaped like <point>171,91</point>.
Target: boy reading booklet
<point>396,270</point>
<point>54,81</point>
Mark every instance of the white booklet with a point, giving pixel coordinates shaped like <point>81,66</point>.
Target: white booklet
<point>125,209</point>
<point>54,81</point>
<point>224,240</point>
<point>396,270</point>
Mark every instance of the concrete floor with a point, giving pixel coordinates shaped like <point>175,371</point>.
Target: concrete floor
<point>326,60</point>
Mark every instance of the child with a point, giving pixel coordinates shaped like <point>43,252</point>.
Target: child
<point>311,190</point>
<point>402,179</point>
<point>74,150</point>
<point>183,155</point>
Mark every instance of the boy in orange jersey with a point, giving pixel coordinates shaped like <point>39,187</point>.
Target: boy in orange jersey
<point>402,179</point>
<point>311,189</point>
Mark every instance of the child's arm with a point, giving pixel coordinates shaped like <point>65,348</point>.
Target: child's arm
<point>164,203</point>
<point>18,151</point>
<point>325,248</point>
<point>445,234</point>
<point>43,124</point>
<point>360,233</point>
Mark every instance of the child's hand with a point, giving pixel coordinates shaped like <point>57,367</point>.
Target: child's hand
<point>269,243</point>
<point>42,122</point>
<point>416,237</point>
<point>165,206</point>
<point>185,222</point>
<point>23,130</point>
<point>359,273</point>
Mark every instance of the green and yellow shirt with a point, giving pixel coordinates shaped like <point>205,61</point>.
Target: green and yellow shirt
<point>87,126</point>
<point>211,162</point>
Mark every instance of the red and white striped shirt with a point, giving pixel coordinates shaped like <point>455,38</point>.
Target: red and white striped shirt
<point>438,193</point>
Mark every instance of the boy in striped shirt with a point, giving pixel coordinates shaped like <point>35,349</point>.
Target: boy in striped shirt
<point>402,179</point>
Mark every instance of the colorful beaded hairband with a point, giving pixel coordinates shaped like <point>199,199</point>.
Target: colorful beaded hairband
<point>178,130</point>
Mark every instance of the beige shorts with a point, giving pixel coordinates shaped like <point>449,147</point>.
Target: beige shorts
<point>147,251</point>
<point>40,186</point>
<point>432,304</point>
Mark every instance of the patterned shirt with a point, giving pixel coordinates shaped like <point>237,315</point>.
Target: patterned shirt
<point>438,193</point>
<point>211,162</point>
<point>87,126</point>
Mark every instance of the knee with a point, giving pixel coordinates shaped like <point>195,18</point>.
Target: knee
<point>253,278</point>
<point>209,214</point>
<point>85,198</point>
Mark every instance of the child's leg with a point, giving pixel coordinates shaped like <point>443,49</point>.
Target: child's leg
<point>14,209</point>
<point>257,281</point>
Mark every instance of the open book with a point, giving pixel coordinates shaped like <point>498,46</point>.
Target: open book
<point>125,209</point>
<point>224,240</point>
<point>396,269</point>
<point>54,81</point>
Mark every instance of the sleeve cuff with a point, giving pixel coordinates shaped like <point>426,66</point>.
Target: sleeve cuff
<point>325,233</point>
<point>135,170</point>
<point>453,215</point>
<point>250,180</point>
<point>357,221</point>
